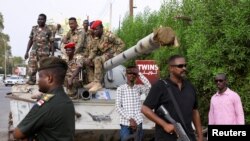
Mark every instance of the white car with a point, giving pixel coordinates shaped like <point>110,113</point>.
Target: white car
<point>12,80</point>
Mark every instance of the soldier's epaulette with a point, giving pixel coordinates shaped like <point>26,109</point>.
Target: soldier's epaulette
<point>44,98</point>
<point>34,27</point>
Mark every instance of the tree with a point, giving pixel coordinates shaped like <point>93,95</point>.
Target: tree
<point>214,36</point>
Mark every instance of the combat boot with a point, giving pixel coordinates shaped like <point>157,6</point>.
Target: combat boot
<point>97,86</point>
<point>88,86</point>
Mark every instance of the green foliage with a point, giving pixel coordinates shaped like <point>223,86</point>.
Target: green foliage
<point>216,39</point>
<point>1,21</point>
<point>5,51</point>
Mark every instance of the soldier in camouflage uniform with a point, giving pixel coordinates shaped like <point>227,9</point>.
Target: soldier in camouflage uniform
<point>73,35</point>
<point>73,62</point>
<point>108,45</point>
<point>85,25</point>
<point>86,66</point>
<point>41,40</point>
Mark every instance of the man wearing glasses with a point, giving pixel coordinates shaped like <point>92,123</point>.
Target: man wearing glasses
<point>225,105</point>
<point>128,104</point>
<point>185,96</point>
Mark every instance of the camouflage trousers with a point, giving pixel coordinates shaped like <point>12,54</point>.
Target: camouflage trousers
<point>71,91</point>
<point>89,74</point>
<point>34,59</point>
<point>99,70</point>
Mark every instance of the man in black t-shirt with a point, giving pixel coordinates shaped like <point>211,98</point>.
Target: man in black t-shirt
<point>52,118</point>
<point>185,95</point>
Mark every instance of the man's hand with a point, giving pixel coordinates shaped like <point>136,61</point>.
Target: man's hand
<point>200,138</point>
<point>37,96</point>
<point>133,124</point>
<point>169,128</point>
<point>109,55</point>
<point>88,62</point>
<point>26,56</point>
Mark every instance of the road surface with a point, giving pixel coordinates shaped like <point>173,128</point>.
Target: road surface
<point>4,112</point>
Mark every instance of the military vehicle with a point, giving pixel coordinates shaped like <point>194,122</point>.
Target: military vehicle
<point>99,121</point>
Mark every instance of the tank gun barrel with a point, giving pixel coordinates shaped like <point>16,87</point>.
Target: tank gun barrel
<point>161,36</point>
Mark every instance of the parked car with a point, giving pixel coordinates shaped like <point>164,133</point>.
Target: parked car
<point>12,80</point>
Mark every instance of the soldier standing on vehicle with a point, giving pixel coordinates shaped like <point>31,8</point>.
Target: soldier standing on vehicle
<point>41,40</point>
<point>108,46</point>
<point>53,116</point>
<point>73,35</point>
<point>85,26</point>
<point>59,30</point>
<point>83,37</point>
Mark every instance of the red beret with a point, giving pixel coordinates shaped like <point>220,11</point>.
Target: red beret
<point>70,45</point>
<point>95,24</point>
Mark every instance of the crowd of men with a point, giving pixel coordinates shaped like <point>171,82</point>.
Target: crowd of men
<point>84,52</point>
<point>85,49</point>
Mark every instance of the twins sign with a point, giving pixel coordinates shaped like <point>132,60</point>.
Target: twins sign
<point>149,69</point>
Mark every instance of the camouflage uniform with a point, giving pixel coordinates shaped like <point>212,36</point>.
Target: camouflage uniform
<point>73,36</point>
<point>109,45</point>
<point>89,52</point>
<point>42,38</point>
<point>72,66</point>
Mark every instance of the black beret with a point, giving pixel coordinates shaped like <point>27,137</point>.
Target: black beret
<point>86,21</point>
<point>52,62</point>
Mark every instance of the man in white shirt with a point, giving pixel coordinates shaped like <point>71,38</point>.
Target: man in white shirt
<point>128,104</point>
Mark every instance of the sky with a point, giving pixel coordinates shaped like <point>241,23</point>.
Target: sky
<point>20,15</point>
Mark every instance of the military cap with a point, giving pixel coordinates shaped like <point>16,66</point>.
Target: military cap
<point>70,45</point>
<point>86,21</point>
<point>96,24</point>
<point>52,62</point>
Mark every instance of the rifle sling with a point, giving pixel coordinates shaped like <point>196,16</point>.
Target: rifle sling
<point>178,111</point>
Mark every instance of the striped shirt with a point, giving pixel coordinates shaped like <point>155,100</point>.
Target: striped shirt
<point>128,101</point>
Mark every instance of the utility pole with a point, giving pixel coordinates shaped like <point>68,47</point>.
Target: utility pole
<point>5,64</point>
<point>110,17</point>
<point>119,23</point>
<point>131,7</point>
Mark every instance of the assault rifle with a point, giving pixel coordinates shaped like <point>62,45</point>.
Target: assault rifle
<point>178,128</point>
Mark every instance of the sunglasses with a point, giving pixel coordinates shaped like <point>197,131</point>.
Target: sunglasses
<point>180,65</point>
<point>218,80</point>
<point>133,73</point>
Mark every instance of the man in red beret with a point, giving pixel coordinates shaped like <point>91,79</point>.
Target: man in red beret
<point>72,61</point>
<point>96,24</point>
<point>108,45</point>
<point>86,67</point>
